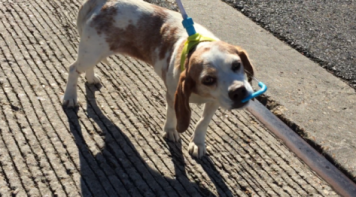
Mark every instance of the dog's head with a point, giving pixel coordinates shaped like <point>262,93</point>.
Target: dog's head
<point>215,71</point>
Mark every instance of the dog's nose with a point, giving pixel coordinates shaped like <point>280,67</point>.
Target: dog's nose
<point>238,93</point>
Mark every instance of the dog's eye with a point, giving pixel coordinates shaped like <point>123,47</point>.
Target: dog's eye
<point>236,66</point>
<point>208,80</point>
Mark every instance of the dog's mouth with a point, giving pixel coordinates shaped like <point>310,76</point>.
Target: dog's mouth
<point>228,104</point>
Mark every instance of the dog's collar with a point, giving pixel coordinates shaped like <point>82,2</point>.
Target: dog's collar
<point>191,42</point>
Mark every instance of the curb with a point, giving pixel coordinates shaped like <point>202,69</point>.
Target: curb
<point>342,184</point>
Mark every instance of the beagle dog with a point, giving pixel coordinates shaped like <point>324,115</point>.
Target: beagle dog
<point>213,72</point>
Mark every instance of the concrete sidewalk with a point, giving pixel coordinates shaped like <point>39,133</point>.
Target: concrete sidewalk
<point>315,103</point>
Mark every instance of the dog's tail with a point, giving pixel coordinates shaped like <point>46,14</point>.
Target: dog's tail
<point>86,11</point>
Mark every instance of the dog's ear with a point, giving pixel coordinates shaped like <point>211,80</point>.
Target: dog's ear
<point>248,67</point>
<point>181,101</point>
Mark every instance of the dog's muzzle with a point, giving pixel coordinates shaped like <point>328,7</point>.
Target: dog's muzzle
<point>237,94</point>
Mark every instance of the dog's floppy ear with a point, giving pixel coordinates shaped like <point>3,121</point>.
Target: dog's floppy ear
<point>248,67</point>
<point>181,101</point>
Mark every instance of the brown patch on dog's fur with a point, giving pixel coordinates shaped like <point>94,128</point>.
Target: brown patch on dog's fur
<point>196,62</point>
<point>193,64</point>
<point>188,83</point>
<point>225,47</point>
<point>104,21</point>
<point>140,40</point>
<point>105,6</point>
<point>196,67</point>
<point>181,102</point>
<point>179,55</point>
<point>248,67</point>
<point>168,39</point>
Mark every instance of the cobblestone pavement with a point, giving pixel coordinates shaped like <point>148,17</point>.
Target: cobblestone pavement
<point>112,144</point>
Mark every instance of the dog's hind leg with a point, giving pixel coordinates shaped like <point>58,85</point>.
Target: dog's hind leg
<point>85,62</point>
<point>91,77</point>
<point>90,74</point>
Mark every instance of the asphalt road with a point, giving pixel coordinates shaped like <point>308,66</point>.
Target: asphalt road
<point>324,31</point>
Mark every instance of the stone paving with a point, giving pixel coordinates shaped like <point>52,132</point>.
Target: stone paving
<point>112,145</point>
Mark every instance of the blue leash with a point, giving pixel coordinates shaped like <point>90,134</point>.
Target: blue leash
<point>188,24</point>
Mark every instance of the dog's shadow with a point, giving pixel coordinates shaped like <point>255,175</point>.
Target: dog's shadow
<point>117,168</point>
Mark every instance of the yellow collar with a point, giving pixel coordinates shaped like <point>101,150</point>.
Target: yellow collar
<point>191,42</point>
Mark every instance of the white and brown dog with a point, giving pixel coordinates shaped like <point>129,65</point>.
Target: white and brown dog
<point>214,71</point>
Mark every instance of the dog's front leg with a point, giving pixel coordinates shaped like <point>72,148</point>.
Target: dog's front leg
<point>197,144</point>
<point>171,121</point>
<point>70,95</point>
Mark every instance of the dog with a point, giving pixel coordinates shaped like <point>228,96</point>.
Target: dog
<point>215,73</point>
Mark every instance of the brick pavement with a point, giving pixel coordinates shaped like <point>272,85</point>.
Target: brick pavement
<point>112,145</point>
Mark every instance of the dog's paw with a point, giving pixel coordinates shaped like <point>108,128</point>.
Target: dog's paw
<point>172,135</point>
<point>93,79</point>
<point>70,102</point>
<point>197,150</point>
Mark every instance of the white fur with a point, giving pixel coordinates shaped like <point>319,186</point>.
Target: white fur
<point>222,61</point>
<point>93,48</point>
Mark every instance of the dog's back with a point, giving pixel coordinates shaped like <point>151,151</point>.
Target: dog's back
<point>136,28</point>
<point>87,10</point>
